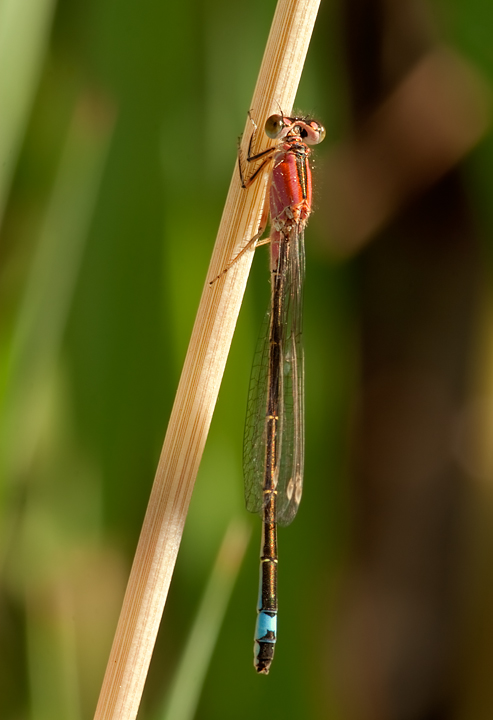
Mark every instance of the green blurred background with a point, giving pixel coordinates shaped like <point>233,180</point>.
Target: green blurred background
<point>118,130</point>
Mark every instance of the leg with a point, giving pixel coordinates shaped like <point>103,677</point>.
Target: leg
<point>253,241</point>
<point>266,154</point>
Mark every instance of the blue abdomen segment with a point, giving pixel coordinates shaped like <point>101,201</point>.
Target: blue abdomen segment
<point>266,627</point>
<point>265,641</point>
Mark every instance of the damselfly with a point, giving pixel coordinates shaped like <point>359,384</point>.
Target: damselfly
<point>273,450</point>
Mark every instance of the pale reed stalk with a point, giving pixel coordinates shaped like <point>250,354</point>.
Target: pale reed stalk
<point>160,538</point>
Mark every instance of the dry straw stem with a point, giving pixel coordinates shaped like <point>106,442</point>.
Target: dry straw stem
<point>200,380</point>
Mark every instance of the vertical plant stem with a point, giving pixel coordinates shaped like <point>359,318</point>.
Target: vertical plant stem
<point>199,384</point>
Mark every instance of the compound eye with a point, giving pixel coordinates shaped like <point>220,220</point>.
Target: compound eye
<point>274,126</point>
<point>321,133</point>
<point>316,133</point>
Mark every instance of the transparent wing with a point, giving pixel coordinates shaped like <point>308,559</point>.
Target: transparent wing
<point>291,435</point>
<point>255,427</point>
<point>292,457</point>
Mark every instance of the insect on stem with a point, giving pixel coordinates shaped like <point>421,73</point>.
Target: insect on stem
<point>273,449</point>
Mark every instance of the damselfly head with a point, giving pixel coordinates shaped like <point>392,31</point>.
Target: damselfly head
<point>310,131</point>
